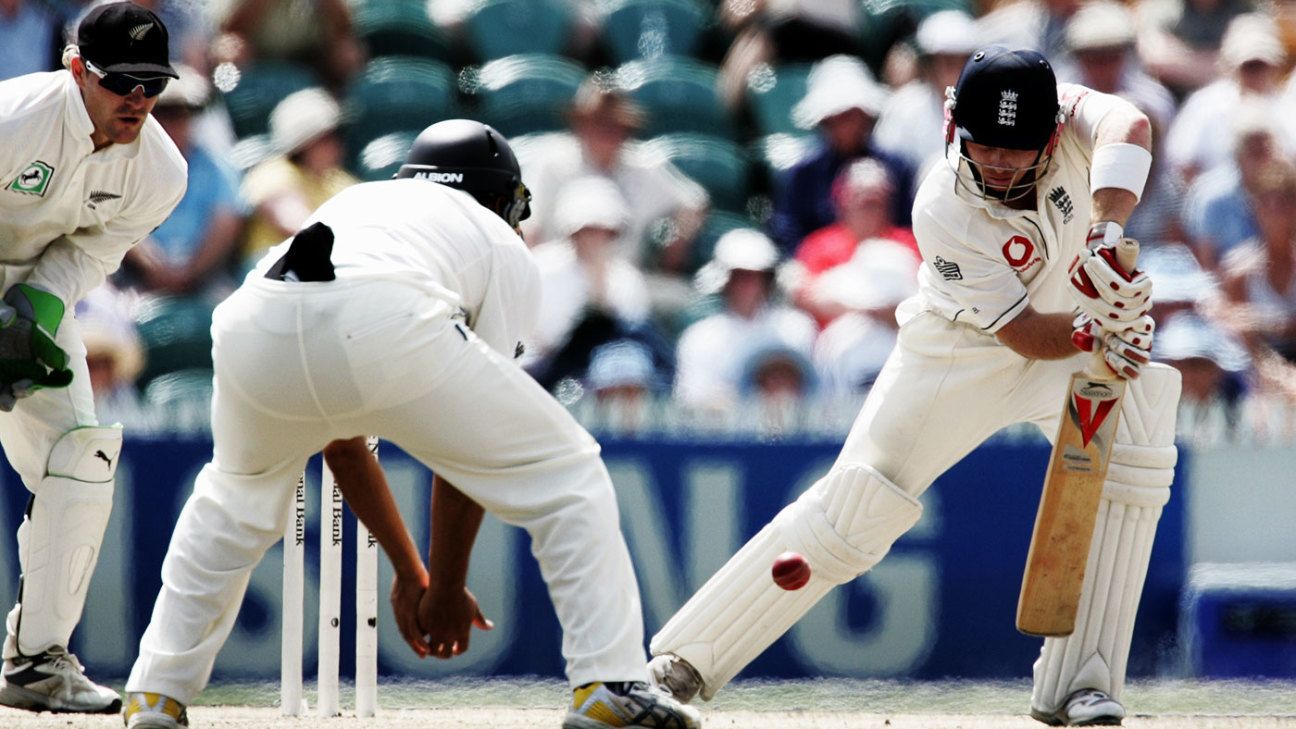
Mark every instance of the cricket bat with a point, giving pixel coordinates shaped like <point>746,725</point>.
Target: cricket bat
<point>1068,510</point>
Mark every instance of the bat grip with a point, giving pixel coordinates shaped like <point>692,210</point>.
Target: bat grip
<point>1127,251</point>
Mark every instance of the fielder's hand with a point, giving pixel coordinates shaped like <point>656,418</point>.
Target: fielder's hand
<point>1102,288</point>
<point>29,358</point>
<point>1124,352</point>
<point>446,618</point>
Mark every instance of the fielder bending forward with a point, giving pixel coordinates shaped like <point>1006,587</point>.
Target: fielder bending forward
<point>85,173</point>
<point>1036,171</point>
<point>397,312</point>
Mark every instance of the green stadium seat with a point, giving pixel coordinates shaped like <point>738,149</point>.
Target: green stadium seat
<point>181,400</point>
<point>718,165</point>
<point>653,28</point>
<point>381,157</point>
<point>772,91</point>
<point>678,94</point>
<point>396,94</point>
<point>399,28</point>
<point>499,28</point>
<point>527,93</point>
<point>883,22</point>
<point>176,333</point>
<point>259,88</point>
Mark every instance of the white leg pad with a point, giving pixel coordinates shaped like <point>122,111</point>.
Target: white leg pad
<point>1137,487</point>
<point>59,539</point>
<point>843,525</point>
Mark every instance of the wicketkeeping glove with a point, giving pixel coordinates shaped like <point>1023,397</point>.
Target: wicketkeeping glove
<point>1101,288</point>
<point>1125,351</point>
<point>29,358</point>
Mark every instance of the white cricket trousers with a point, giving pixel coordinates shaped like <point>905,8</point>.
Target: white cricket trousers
<point>945,389</point>
<point>300,364</point>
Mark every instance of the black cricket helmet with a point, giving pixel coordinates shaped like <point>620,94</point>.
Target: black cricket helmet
<point>1008,99</point>
<point>473,157</point>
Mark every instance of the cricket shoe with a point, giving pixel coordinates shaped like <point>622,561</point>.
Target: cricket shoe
<point>154,711</point>
<point>602,705</point>
<point>675,676</point>
<point>54,681</point>
<point>1086,707</point>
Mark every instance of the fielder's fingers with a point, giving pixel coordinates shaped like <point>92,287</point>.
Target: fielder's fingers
<point>482,622</point>
<point>409,632</point>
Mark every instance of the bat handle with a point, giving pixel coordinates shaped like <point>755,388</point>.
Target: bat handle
<point>1127,251</point>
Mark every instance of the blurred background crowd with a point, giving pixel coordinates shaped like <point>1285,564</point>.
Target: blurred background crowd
<point>722,187</point>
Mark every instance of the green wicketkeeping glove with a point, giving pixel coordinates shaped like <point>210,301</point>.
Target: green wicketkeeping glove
<point>29,320</point>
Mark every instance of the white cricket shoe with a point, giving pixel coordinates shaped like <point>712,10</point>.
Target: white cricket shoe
<point>54,681</point>
<point>1086,707</point>
<point>608,705</point>
<point>675,676</point>
<point>154,711</point>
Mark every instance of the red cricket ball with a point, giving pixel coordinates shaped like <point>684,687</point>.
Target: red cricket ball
<point>790,571</point>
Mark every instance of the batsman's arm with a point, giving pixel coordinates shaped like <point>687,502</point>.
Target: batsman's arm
<point>1039,336</point>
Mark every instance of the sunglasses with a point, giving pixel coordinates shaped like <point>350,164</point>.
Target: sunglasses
<point>124,84</point>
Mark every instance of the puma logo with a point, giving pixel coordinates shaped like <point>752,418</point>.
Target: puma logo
<point>103,457</point>
<point>29,178</point>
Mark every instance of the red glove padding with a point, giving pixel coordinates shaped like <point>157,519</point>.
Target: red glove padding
<point>1102,288</point>
<point>1124,351</point>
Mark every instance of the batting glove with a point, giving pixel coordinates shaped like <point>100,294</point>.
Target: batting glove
<point>1102,288</point>
<point>1124,351</point>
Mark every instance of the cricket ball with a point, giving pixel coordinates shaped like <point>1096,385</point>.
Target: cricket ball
<point>790,571</point>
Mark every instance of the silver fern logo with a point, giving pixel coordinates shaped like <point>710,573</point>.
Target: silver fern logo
<point>138,32</point>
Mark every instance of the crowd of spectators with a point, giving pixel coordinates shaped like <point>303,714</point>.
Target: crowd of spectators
<point>773,279</point>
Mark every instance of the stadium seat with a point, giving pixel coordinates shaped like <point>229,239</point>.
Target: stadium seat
<point>678,94</point>
<point>526,93</point>
<point>181,400</point>
<point>176,333</point>
<point>381,157</point>
<point>652,28</point>
<point>499,28</point>
<point>772,91</point>
<point>259,88</point>
<point>399,28</point>
<point>718,165</point>
<point>883,22</point>
<point>396,94</point>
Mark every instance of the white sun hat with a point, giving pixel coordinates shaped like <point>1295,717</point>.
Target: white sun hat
<point>837,84</point>
<point>302,117</point>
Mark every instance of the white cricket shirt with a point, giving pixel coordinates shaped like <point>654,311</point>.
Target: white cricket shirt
<point>67,213</point>
<point>984,262</point>
<point>431,236</point>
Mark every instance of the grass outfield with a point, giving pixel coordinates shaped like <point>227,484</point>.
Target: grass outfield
<point>822,704</point>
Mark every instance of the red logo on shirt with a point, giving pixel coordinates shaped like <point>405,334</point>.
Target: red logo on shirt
<point>1019,252</point>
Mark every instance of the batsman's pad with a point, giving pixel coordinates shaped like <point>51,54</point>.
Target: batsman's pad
<point>843,525</point>
<point>59,539</point>
<point>1137,487</point>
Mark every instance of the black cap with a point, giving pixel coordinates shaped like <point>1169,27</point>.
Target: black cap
<point>1006,98</point>
<point>466,154</point>
<point>122,37</point>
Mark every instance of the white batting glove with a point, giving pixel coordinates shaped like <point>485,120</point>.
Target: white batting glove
<point>1102,289</point>
<point>1125,351</point>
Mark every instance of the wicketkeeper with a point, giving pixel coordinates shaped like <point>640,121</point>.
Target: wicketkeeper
<point>85,173</point>
<point>1017,233</point>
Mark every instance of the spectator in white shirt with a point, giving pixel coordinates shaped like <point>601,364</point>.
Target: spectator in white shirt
<point>713,352</point>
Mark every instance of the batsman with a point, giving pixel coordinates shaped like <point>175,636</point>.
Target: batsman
<point>85,173</point>
<point>1019,233</point>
